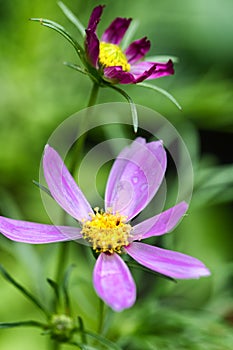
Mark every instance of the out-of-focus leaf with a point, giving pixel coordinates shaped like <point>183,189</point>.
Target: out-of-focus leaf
<point>65,287</point>
<point>162,58</point>
<point>21,324</point>
<point>129,34</point>
<point>109,344</point>
<point>73,19</point>
<point>213,185</point>
<point>27,294</point>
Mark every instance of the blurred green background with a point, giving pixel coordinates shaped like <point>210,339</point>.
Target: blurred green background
<point>38,92</point>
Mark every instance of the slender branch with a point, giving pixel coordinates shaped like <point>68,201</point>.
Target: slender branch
<point>79,146</point>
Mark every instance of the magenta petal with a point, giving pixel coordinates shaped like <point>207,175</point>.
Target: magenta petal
<point>159,224</point>
<point>63,187</point>
<point>92,41</point>
<point>167,262</point>
<point>162,70</point>
<point>135,177</point>
<point>92,47</point>
<point>95,17</point>
<point>113,282</point>
<point>30,232</point>
<point>137,50</point>
<point>117,75</point>
<point>151,70</point>
<point>115,32</point>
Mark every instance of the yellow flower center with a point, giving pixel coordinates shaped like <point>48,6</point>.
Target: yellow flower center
<point>112,55</point>
<point>106,232</point>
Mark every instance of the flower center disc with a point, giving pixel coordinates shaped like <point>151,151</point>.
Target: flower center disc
<point>106,232</point>
<point>111,55</point>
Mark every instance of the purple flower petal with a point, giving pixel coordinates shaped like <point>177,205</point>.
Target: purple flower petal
<point>30,232</point>
<point>137,50</point>
<point>63,187</point>
<point>151,70</point>
<point>92,41</point>
<point>113,282</point>
<point>117,75</point>
<point>92,47</point>
<point>135,177</point>
<point>167,262</point>
<point>115,32</point>
<point>95,17</point>
<point>159,224</point>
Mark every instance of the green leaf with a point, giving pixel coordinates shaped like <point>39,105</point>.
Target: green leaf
<point>132,106</point>
<point>213,185</point>
<point>82,346</point>
<point>65,287</point>
<point>81,329</point>
<point>140,267</point>
<point>42,188</point>
<point>161,91</point>
<point>61,30</point>
<point>55,288</point>
<point>162,58</point>
<point>73,19</point>
<point>77,68</point>
<point>4,325</point>
<point>129,34</point>
<point>110,345</point>
<point>27,294</point>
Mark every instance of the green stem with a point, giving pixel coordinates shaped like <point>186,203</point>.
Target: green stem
<point>101,316</point>
<point>62,258</point>
<point>56,345</point>
<point>79,146</point>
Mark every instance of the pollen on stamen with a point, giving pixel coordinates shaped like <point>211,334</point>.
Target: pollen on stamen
<point>106,232</point>
<point>111,55</point>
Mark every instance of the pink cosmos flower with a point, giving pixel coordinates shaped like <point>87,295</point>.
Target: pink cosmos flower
<point>117,66</point>
<point>133,181</point>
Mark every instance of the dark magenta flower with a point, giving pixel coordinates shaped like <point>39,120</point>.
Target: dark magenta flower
<point>117,66</point>
<point>134,179</point>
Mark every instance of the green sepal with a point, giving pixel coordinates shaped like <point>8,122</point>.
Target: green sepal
<point>163,92</point>
<point>132,106</point>
<point>27,294</point>
<point>73,19</point>
<point>143,268</point>
<point>4,325</point>
<point>42,188</point>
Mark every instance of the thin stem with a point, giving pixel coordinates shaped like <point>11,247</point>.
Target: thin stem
<point>101,316</point>
<point>82,331</point>
<point>56,345</point>
<point>62,257</point>
<point>79,146</point>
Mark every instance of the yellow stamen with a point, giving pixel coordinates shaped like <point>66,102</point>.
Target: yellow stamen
<point>112,55</point>
<point>106,232</point>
